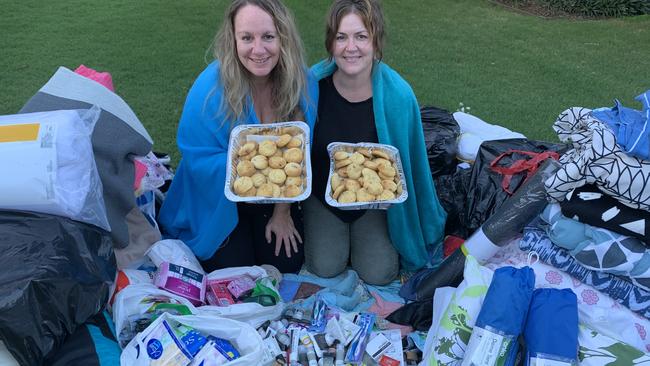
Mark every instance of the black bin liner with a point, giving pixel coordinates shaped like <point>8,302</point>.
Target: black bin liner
<point>441,133</point>
<point>55,275</point>
<point>471,196</point>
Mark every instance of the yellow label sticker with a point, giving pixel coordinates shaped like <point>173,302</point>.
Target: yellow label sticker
<point>22,132</point>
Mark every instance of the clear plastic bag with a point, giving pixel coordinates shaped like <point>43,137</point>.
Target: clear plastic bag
<point>50,167</point>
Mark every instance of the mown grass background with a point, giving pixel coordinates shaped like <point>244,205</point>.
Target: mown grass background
<point>512,69</point>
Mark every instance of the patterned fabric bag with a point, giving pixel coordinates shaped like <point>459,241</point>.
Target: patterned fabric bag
<point>596,158</point>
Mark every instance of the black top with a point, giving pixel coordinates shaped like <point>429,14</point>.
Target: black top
<point>338,121</point>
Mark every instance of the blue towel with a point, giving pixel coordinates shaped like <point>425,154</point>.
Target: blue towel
<point>552,327</point>
<point>416,226</point>
<point>196,209</point>
<point>631,127</point>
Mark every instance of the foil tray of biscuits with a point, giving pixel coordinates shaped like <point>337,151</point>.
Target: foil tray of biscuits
<point>269,163</point>
<point>364,176</point>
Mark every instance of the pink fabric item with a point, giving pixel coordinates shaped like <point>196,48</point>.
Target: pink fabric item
<point>103,78</point>
<point>140,172</point>
<point>383,308</point>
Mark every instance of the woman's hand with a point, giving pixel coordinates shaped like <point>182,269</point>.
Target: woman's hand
<point>281,224</point>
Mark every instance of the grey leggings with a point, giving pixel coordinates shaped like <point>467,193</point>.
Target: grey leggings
<point>330,243</point>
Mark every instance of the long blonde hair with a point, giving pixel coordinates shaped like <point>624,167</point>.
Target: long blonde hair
<point>288,77</point>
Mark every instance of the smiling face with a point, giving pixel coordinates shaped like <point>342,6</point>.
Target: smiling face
<point>258,44</point>
<point>353,49</point>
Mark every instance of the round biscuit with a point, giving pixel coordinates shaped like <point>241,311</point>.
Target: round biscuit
<point>260,162</point>
<point>283,140</point>
<point>357,158</point>
<point>347,197</point>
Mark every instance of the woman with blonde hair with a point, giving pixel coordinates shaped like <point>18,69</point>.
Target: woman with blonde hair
<point>361,99</point>
<point>259,76</point>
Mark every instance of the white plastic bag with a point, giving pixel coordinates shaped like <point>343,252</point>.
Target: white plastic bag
<point>473,131</point>
<point>251,313</point>
<point>244,337</point>
<point>49,166</point>
<point>173,251</point>
<point>134,300</point>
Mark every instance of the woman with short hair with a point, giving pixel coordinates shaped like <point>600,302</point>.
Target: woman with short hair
<point>361,99</point>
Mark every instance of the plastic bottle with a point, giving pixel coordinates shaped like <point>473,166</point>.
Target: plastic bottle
<point>311,356</point>
<point>340,353</point>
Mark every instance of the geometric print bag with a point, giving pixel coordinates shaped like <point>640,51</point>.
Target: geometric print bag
<point>596,158</point>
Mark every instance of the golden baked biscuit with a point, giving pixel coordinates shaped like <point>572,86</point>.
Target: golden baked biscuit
<point>245,168</point>
<point>292,191</point>
<point>293,181</point>
<point>277,176</point>
<point>278,152</point>
<point>265,190</point>
<point>283,140</point>
<point>293,170</point>
<point>342,172</point>
<point>242,184</point>
<point>361,181</point>
<point>250,193</point>
<point>380,154</point>
<point>293,155</point>
<point>384,177</point>
<point>249,156</point>
<point>265,172</point>
<point>399,189</point>
<point>335,181</point>
<point>294,142</point>
<point>389,185</point>
<point>267,148</point>
<point>341,155</point>
<point>364,196</point>
<point>386,195</point>
<point>354,171</point>
<point>338,191</point>
<point>277,162</point>
<point>374,188</point>
<point>352,185</point>
<point>260,162</point>
<point>387,171</point>
<point>277,191</point>
<point>258,179</point>
<point>369,173</point>
<point>370,164</point>
<point>247,148</point>
<point>357,158</point>
<point>365,152</point>
<point>348,197</point>
<point>341,163</point>
<point>382,161</point>
<point>291,130</point>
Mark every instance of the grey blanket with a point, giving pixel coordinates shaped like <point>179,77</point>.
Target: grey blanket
<point>118,136</point>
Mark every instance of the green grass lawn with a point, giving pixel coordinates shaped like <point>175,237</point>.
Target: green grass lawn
<point>514,70</point>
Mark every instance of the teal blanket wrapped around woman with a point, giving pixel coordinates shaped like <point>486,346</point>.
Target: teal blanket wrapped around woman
<point>416,226</point>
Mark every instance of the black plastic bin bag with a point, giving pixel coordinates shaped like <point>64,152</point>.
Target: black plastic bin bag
<point>54,275</point>
<point>441,133</point>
